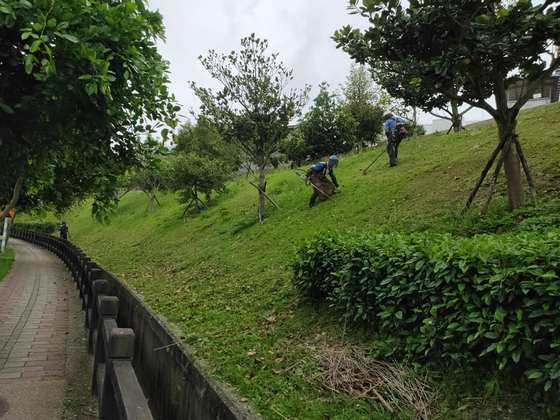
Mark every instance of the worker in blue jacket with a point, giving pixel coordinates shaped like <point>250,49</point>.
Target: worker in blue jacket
<point>395,130</point>
<point>317,176</point>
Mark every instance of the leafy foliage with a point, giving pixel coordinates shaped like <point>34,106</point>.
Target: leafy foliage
<point>484,299</point>
<point>366,102</point>
<point>192,174</point>
<point>295,148</point>
<point>369,119</point>
<point>328,127</point>
<point>201,163</point>
<point>81,79</point>
<point>255,105</point>
<point>46,227</point>
<point>204,139</point>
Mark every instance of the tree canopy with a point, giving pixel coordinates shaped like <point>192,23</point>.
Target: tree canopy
<point>366,102</point>
<point>81,82</point>
<point>204,139</point>
<point>255,104</point>
<point>328,127</point>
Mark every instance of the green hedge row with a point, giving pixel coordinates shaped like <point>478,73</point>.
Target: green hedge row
<point>48,228</point>
<point>490,298</point>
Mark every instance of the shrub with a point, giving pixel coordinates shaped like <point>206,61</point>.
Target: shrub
<point>48,228</point>
<point>489,299</point>
<point>499,220</point>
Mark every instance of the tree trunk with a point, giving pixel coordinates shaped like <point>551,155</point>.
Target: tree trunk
<point>415,120</point>
<point>457,118</point>
<point>262,191</point>
<point>512,164</point>
<point>15,198</point>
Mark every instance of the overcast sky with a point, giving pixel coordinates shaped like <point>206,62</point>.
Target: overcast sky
<point>299,30</point>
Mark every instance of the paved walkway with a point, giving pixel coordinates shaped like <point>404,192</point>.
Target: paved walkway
<point>41,337</point>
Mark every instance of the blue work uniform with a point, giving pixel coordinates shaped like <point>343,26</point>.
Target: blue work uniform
<point>391,124</point>
<point>317,175</point>
<point>394,137</point>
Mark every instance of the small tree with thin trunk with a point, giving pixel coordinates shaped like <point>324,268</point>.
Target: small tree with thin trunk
<point>365,101</point>
<point>328,127</point>
<point>480,45</point>
<point>255,104</point>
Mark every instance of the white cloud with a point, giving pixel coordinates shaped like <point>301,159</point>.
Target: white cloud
<point>299,30</point>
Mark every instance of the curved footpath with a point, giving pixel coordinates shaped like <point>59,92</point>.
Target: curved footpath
<point>44,367</point>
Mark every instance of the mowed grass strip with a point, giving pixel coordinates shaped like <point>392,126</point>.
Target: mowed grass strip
<point>223,279</point>
<point>6,261</point>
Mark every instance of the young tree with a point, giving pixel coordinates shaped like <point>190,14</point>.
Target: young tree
<point>204,139</point>
<point>148,179</point>
<point>368,119</point>
<point>365,101</point>
<point>328,127</point>
<point>254,106</point>
<point>360,88</point>
<point>191,175</point>
<point>295,148</point>
<point>481,46</point>
<point>74,98</point>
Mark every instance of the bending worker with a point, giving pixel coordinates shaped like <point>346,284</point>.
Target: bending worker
<point>64,231</point>
<point>323,189</point>
<point>395,130</point>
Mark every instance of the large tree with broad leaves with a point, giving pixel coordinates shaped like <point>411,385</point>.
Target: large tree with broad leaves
<point>468,51</point>
<point>81,83</point>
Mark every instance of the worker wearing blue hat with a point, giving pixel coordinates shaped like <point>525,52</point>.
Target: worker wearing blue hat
<point>323,188</point>
<point>395,130</point>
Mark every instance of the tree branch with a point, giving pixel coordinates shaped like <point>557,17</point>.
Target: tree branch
<point>440,116</point>
<point>482,104</point>
<point>546,4</point>
<point>15,197</point>
<point>535,84</point>
<point>466,110</point>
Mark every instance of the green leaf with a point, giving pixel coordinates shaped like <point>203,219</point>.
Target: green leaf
<point>70,38</point>
<point>6,108</point>
<point>534,374</point>
<point>35,45</point>
<point>29,59</point>
<point>500,314</point>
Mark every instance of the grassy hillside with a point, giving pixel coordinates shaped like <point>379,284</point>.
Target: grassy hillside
<point>224,280</point>
<point>6,261</point>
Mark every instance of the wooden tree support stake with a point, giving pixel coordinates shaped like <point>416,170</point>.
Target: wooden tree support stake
<point>484,174</point>
<point>493,185</point>
<point>267,197</point>
<point>526,169</point>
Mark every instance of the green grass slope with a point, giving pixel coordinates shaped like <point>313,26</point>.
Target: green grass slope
<point>224,280</point>
<point>6,261</point>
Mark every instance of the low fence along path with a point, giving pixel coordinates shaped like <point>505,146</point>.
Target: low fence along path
<point>130,378</point>
<point>38,329</point>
